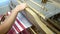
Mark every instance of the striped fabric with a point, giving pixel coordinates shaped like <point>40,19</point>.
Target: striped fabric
<point>21,23</point>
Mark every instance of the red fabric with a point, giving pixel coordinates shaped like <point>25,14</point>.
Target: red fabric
<point>11,31</point>
<point>26,31</point>
<point>15,27</point>
<point>20,23</point>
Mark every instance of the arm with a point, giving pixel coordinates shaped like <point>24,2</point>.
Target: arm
<point>10,20</point>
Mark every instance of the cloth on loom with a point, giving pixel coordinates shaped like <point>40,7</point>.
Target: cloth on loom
<point>21,23</point>
<point>26,31</point>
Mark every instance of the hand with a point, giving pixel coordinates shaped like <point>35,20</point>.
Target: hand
<point>20,7</point>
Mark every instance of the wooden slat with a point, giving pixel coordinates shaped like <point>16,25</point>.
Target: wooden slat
<point>40,14</point>
<point>35,18</point>
<point>32,30</point>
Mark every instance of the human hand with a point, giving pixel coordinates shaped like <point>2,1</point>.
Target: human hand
<point>20,7</point>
